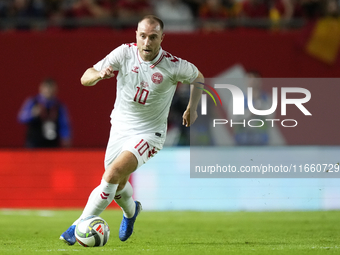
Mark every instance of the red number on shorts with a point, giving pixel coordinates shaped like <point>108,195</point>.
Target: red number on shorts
<point>142,147</point>
<point>142,97</point>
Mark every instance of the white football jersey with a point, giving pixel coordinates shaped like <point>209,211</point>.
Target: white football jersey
<point>144,89</point>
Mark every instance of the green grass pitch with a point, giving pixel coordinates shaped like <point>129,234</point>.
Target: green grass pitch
<point>37,232</point>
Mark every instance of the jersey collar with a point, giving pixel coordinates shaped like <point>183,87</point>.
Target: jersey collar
<point>153,62</point>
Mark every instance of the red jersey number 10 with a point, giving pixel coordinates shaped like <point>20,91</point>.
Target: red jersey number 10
<point>143,95</point>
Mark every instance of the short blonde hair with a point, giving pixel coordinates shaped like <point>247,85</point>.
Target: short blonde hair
<point>153,19</point>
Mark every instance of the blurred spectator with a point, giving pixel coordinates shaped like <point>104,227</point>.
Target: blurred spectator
<point>246,135</point>
<point>54,9</point>
<point>89,8</point>
<point>234,7</point>
<point>4,8</point>
<point>72,13</point>
<point>194,6</point>
<point>21,10</point>
<point>176,15</point>
<point>213,14</point>
<point>256,8</point>
<point>294,9</point>
<point>262,8</point>
<point>332,8</point>
<point>46,118</point>
<point>278,12</point>
<point>130,11</point>
<point>312,9</point>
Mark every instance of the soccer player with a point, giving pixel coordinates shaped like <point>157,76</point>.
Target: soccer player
<point>146,83</point>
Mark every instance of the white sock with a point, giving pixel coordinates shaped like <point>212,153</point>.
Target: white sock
<point>99,199</point>
<point>124,199</point>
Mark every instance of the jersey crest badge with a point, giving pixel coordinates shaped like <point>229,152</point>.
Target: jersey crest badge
<point>157,78</point>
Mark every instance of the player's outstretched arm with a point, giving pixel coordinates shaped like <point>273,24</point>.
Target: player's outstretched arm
<point>190,114</point>
<point>91,76</point>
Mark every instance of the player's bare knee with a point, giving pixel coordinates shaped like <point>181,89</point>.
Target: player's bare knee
<point>113,175</point>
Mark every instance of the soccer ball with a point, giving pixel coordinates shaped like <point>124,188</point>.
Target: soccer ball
<point>92,231</point>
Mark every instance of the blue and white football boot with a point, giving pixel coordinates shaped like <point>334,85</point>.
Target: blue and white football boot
<point>126,227</point>
<point>68,236</point>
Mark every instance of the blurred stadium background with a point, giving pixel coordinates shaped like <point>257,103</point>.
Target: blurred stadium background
<point>60,39</point>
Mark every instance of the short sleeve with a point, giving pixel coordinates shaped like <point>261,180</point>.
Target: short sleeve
<point>114,59</point>
<point>187,72</point>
